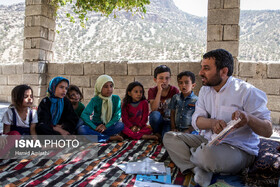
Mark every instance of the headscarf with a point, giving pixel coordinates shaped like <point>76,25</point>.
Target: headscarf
<point>57,104</point>
<point>107,104</point>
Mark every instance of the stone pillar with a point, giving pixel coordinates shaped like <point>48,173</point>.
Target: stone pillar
<point>223,25</point>
<point>39,33</point>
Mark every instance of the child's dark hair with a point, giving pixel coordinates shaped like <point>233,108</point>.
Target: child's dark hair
<point>128,99</point>
<point>18,94</point>
<point>161,69</point>
<point>74,88</point>
<point>188,74</point>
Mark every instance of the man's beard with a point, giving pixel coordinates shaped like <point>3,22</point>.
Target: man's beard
<point>215,81</point>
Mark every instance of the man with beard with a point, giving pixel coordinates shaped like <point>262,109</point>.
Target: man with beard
<point>221,99</point>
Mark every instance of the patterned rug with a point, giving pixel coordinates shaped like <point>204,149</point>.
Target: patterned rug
<point>81,169</point>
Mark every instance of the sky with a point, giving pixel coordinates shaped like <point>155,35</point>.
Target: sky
<point>199,7</point>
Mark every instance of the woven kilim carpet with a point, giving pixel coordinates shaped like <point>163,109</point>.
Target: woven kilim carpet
<point>84,169</point>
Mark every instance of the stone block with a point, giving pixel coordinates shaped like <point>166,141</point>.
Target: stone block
<point>88,93</point>
<point>28,21</point>
<point>43,21</point>
<point>139,69</point>
<point>34,54</point>
<point>27,43</point>
<point>273,103</point>
<point>120,93</point>
<point>8,69</point>
<point>49,56</point>
<point>39,91</point>
<point>214,4</point>
<point>19,68</point>
<point>174,67</point>
<point>275,118</point>
<point>34,79</point>
<point>247,69</point>
<point>33,32</point>
<point>231,3</point>
<point>40,43</point>
<point>51,35</point>
<point>173,81</point>
<point>214,32</point>
<point>4,98</point>
<point>269,86</point>
<point>223,16</point>
<point>94,68</point>
<point>7,90</point>
<point>190,66</point>
<point>14,79</point>
<point>34,67</point>
<point>146,81</point>
<point>198,84</point>
<point>36,9</point>
<point>273,70</point>
<point>261,71</point>
<point>93,80</point>
<point>121,82</point>
<point>116,68</point>
<point>231,46</point>
<point>34,2</point>
<point>3,79</point>
<point>74,69</point>
<point>231,32</point>
<point>55,69</point>
<point>80,81</point>
<point>1,70</point>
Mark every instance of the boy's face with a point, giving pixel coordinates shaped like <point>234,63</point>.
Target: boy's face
<point>185,85</point>
<point>163,79</point>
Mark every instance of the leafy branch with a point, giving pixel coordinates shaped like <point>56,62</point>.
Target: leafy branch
<point>105,7</point>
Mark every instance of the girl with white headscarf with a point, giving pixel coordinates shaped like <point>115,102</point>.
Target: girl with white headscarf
<point>102,114</point>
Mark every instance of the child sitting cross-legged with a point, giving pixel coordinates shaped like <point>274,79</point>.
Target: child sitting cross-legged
<point>182,105</point>
<point>101,116</point>
<point>135,111</point>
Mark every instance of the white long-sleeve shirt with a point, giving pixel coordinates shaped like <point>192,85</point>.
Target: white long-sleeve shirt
<point>234,95</point>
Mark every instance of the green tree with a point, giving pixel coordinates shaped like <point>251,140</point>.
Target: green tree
<point>105,7</point>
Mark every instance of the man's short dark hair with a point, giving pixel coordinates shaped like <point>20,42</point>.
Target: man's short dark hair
<point>161,69</point>
<point>188,74</point>
<point>223,58</point>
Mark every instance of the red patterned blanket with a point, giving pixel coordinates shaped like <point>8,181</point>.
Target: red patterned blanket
<point>95,165</point>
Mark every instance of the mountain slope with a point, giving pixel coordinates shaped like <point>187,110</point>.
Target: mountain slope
<point>165,33</point>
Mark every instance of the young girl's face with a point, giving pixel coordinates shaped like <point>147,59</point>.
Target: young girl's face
<point>27,99</point>
<point>136,93</point>
<point>74,96</point>
<point>61,89</point>
<point>107,89</point>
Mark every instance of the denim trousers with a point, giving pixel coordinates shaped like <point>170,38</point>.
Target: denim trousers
<point>116,128</point>
<point>159,124</point>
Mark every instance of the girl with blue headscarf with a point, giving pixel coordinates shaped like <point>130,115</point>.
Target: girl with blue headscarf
<point>56,115</point>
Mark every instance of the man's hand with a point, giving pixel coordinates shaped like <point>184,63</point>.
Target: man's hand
<point>219,126</point>
<point>100,128</point>
<point>243,116</point>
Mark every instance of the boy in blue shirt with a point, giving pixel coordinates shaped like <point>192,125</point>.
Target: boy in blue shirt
<point>182,105</point>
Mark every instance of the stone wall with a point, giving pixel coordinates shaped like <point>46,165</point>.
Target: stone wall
<point>264,76</point>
